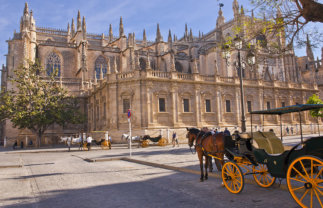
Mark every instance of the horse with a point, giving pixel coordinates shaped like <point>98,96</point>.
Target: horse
<point>207,144</point>
<point>134,138</point>
<point>74,140</point>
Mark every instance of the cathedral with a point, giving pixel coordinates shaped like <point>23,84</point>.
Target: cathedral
<point>168,84</point>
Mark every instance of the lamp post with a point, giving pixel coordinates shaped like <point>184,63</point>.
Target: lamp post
<point>250,60</point>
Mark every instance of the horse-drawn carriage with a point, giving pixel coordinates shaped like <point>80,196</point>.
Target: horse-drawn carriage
<point>144,141</point>
<point>262,155</point>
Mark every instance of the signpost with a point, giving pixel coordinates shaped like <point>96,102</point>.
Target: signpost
<point>129,121</point>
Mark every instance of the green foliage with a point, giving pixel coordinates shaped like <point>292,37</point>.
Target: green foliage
<point>314,99</point>
<point>38,101</point>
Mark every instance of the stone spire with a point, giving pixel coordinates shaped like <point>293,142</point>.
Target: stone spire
<point>102,39</point>
<point>186,33</point>
<point>309,51</point>
<point>32,21</point>
<point>68,32</point>
<point>26,10</point>
<point>235,8</point>
<point>220,20</point>
<point>242,10</point>
<point>110,33</point>
<point>115,66</point>
<point>121,32</point>
<point>148,61</point>
<point>169,36</point>
<point>84,28</point>
<point>144,37</point>
<point>159,38</point>
<point>79,26</point>
<point>25,20</point>
<point>108,66</point>
<point>172,63</point>
<point>73,27</point>
<point>191,35</point>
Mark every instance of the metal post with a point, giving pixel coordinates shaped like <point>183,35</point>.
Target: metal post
<point>243,119</point>
<point>281,128</point>
<point>300,125</point>
<point>130,138</point>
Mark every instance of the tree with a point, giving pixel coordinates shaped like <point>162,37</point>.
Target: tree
<point>292,16</point>
<point>37,102</point>
<point>314,99</point>
<point>316,113</point>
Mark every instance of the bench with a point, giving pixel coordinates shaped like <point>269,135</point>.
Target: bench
<point>268,141</point>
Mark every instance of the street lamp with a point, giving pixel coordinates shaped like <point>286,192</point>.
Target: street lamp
<point>251,59</point>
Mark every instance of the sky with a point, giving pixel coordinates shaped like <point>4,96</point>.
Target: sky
<point>137,14</point>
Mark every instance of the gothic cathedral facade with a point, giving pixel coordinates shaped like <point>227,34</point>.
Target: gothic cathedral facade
<point>168,85</point>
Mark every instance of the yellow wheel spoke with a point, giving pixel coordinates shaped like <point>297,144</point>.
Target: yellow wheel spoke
<point>319,191</point>
<point>320,172</point>
<point>300,173</point>
<point>304,195</point>
<point>318,198</point>
<point>294,179</point>
<point>294,189</point>
<point>304,168</point>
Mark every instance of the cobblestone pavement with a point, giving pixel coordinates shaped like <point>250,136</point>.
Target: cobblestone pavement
<point>55,177</point>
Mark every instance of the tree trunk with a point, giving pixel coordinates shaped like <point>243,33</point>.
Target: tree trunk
<point>312,11</point>
<point>38,138</point>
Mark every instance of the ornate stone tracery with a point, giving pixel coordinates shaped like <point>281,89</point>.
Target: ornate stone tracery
<point>100,62</point>
<point>53,63</point>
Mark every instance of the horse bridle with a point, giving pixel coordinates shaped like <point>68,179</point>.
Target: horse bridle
<point>197,135</point>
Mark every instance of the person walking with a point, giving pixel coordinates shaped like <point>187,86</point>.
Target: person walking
<point>226,132</point>
<point>292,130</point>
<point>69,143</point>
<point>15,145</point>
<point>287,130</point>
<point>89,141</point>
<point>174,139</point>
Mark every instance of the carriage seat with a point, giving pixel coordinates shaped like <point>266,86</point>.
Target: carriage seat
<point>267,141</point>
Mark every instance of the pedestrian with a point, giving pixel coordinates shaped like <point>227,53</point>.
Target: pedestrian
<point>287,130</point>
<point>15,145</point>
<point>226,132</point>
<point>292,130</point>
<point>174,139</point>
<point>69,143</point>
<point>89,141</point>
<point>21,144</point>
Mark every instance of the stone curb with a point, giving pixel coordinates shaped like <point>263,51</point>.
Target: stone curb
<point>185,170</point>
<point>10,166</point>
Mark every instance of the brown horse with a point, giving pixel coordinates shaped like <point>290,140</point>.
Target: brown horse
<point>206,144</point>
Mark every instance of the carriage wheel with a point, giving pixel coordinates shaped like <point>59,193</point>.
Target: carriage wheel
<point>232,177</point>
<point>262,176</point>
<point>305,181</point>
<point>145,143</point>
<point>162,142</point>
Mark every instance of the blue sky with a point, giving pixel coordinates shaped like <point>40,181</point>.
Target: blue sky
<point>137,15</point>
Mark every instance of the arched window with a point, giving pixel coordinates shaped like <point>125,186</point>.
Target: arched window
<point>261,40</point>
<point>100,62</point>
<point>53,63</point>
<point>142,63</point>
<point>178,66</point>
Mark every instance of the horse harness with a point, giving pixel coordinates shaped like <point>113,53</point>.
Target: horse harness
<point>205,153</point>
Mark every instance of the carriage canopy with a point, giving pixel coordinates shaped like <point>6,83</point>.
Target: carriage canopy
<point>289,109</point>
